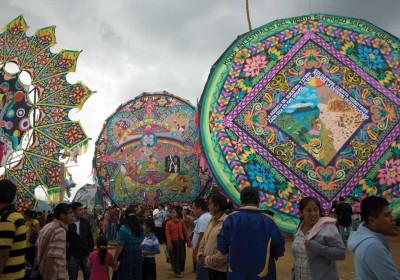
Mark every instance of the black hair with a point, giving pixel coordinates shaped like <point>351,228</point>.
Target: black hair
<point>76,205</point>
<point>200,203</point>
<point>341,198</point>
<point>8,191</point>
<point>250,200</point>
<point>372,206</point>
<point>102,243</point>
<point>304,202</point>
<point>149,224</point>
<point>132,221</point>
<point>61,208</point>
<point>49,218</point>
<point>29,213</point>
<point>221,201</point>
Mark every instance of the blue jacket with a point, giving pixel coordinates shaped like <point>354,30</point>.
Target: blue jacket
<point>253,242</point>
<point>372,258</point>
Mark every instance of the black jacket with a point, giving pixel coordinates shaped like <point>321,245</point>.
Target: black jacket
<point>82,244</point>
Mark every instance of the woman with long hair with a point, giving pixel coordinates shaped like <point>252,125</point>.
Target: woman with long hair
<point>128,252</point>
<point>176,233</point>
<point>317,244</point>
<point>208,254</point>
<point>32,232</point>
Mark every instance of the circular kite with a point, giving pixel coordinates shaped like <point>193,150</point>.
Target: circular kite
<point>305,106</point>
<point>148,151</point>
<point>35,129</point>
<point>90,196</point>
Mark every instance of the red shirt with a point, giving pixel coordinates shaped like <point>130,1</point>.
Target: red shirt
<point>176,230</point>
<point>100,271</point>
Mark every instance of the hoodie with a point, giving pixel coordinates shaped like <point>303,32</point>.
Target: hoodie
<point>372,257</point>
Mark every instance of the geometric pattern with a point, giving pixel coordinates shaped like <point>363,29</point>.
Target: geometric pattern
<point>148,151</point>
<point>35,127</point>
<point>307,106</point>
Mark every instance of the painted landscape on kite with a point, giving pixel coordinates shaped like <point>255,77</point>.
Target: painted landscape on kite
<point>319,120</point>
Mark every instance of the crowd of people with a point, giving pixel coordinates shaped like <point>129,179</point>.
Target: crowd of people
<point>238,244</point>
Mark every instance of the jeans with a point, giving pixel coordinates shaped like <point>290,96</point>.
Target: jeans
<point>113,230</point>
<point>107,231</point>
<point>201,272</point>
<point>354,224</point>
<point>73,267</point>
<point>341,231</point>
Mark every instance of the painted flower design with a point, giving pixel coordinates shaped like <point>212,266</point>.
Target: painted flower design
<point>77,94</point>
<point>370,57</point>
<point>390,175</point>
<point>53,176</point>
<point>23,203</point>
<point>260,178</point>
<point>72,135</point>
<point>254,65</point>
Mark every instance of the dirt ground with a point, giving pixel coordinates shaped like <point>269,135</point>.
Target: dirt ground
<point>284,264</point>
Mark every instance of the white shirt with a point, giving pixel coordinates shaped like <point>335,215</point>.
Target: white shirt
<point>201,226</point>
<point>159,220</point>
<point>77,223</point>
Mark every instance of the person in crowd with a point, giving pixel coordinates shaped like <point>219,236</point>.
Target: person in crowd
<point>113,222</point>
<point>51,244</point>
<point>41,217</point>
<point>86,213</point>
<point>208,254</point>
<point>150,248</point>
<point>100,260</point>
<point>49,218</point>
<point>190,220</point>
<point>199,207</point>
<point>32,231</point>
<point>158,216</point>
<point>106,224</point>
<point>317,244</point>
<point>372,257</point>
<point>147,214</point>
<point>343,213</point>
<point>121,219</point>
<point>176,234</point>
<point>128,252</point>
<point>12,234</point>
<point>81,243</point>
<point>93,221</point>
<point>252,240</point>
<point>356,216</point>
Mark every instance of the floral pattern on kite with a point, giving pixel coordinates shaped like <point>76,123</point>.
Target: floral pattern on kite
<point>305,106</point>
<point>148,151</point>
<point>35,128</point>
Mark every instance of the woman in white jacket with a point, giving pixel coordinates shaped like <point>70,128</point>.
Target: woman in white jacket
<point>317,244</point>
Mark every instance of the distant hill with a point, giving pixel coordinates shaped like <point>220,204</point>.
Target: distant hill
<point>338,105</point>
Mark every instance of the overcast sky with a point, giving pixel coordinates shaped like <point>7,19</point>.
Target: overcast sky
<point>136,46</point>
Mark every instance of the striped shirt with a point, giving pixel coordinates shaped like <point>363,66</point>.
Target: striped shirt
<point>13,237</point>
<point>51,243</point>
<point>150,244</point>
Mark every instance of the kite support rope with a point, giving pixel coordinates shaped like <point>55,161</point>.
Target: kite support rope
<point>248,15</point>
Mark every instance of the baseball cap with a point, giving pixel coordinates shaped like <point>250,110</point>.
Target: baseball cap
<point>249,193</point>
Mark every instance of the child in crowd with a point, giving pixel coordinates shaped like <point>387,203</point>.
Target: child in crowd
<point>150,248</point>
<point>100,260</point>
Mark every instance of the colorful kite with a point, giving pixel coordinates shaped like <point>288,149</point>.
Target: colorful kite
<point>305,106</point>
<point>148,151</point>
<point>35,130</point>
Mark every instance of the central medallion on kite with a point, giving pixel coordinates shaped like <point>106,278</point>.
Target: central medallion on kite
<point>149,152</point>
<point>305,106</point>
